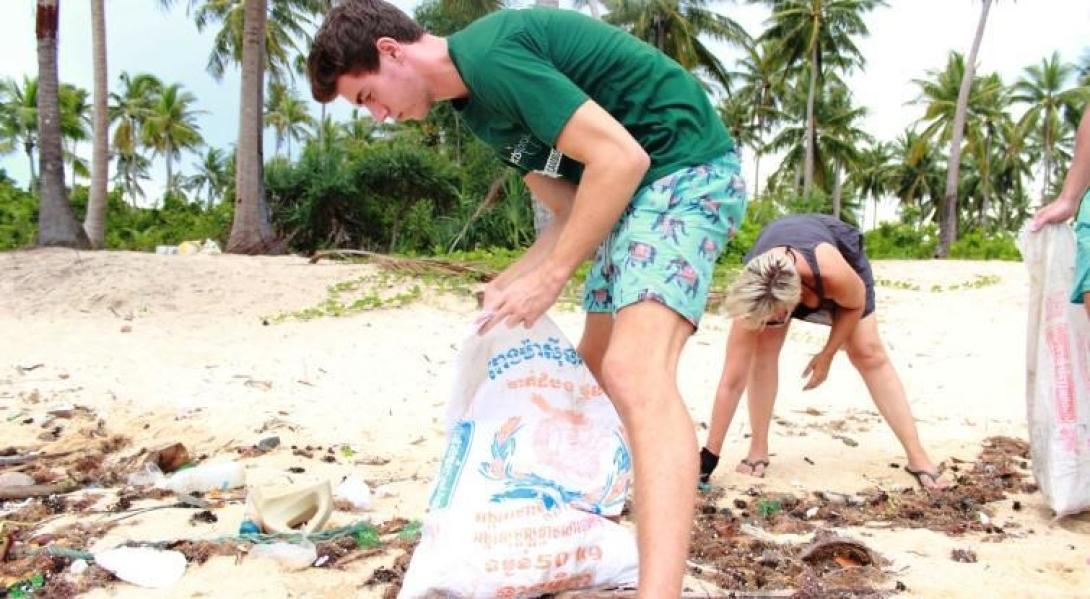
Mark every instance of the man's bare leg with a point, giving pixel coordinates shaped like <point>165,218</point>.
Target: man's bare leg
<point>640,374</point>
<point>595,340</point>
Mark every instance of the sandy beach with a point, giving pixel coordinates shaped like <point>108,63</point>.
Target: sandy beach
<point>188,349</point>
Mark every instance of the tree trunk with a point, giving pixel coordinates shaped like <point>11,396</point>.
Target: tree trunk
<point>948,224</point>
<point>837,190</point>
<point>73,149</point>
<point>1047,161</point>
<point>95,222</point>
<point>811,126</point>
<point>28,147</point>
<point>251,231</point>
<point>57,224</point>
<point>170,172</point>
<point>756,176</point>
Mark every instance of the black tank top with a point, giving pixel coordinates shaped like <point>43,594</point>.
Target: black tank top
<point>803,233</point>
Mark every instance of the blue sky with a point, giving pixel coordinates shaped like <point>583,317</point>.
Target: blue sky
<point>907,38</point>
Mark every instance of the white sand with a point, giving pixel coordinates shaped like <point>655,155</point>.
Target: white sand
<point>172,348</point>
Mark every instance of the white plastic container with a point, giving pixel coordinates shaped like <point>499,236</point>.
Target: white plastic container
<point>143,566</point>
<point>207,477</point>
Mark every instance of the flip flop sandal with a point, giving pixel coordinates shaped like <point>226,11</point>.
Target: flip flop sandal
<point>934,475</point>
<point>753,466</point>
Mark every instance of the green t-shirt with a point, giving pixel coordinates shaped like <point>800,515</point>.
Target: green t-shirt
<point>529,70</point>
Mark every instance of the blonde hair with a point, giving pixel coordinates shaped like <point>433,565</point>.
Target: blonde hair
<point>768,283</point>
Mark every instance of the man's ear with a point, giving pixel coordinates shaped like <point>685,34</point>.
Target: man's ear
<point>388,46</point>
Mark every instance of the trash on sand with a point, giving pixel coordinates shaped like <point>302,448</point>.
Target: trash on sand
<point>268,443</point>
<point>847,440</point>
<point>78,567</point>
<point>384,491</point>
<point>171,458</point>
<point>249,527</point>
<point>292,556</point>
<point>810,513</point>
<point>301,509</point>
<point>355,491</point>
<point>835,497</point>
<point>147,476</point>
<point>767,507</point>
<point>367,537</point>
<point>15,479</point>
<point>965,556</point>
<point>843,551</point>
<point>207,477</point>
<point>143,566</point>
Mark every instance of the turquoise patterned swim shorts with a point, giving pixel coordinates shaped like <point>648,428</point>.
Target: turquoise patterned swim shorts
<point>665,244</point>
<point>1082,252</point>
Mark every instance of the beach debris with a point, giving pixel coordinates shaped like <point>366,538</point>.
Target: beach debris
<point>302,509</point>
<point>768,507</point>
<point>16,479</point>
<point>268,443</point>
<point>203,517</point>
<point>847,440</point>
<point>843,551</point>
<point>78,566</point>
<point>354,491</point>
<point>148,475</point>
<point>218,476</point>
<point>143,566</point>
<point>290,556</point>
<point>170,458</point>
<point>27,491</point>
<point>965,556</point>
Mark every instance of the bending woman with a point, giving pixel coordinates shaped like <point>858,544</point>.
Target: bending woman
<point>810,267</point>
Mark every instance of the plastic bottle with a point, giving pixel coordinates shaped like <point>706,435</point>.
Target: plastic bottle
<point>207,477</point>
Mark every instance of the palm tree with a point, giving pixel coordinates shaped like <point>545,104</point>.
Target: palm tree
<point>170,127</point>
<point>130,170</point>
<point>57,224</point>
<point>978,119</point>
<point>75,127</point>
<point>758,86</point>
<point>1042,90</point>
<point>260,35</point>
<point>19,119</point>
<point>211,175</point>
<point>814,32</point>
<point>251,231</point>
<point>948,224</point>
<point>286,22</point>
<point>130,109</point>
<point>834,141</point>
<point>676,26</point>
<point>917,176</point>
<point>287,114</point>
<point>874,174</point>
<point>356,130</point>
<point>94,223</point>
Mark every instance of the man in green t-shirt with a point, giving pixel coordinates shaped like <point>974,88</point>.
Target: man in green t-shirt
<point>624,147</point>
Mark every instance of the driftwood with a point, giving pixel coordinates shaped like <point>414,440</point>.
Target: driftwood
<point>15,460</point>
<point>25,491</point>
<point>415,266</point>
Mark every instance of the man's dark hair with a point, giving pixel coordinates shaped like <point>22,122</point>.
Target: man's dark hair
<point>345,43</point>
